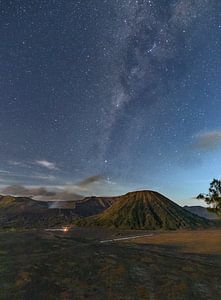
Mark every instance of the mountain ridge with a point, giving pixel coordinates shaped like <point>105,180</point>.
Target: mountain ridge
<point>202,212</point>
<point>27,212</point>
<point>145,210</point>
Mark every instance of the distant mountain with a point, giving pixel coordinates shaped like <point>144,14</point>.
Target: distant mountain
<point>202,212</point>
<point>135,210</point>
<point>85,207</point>
<point>93,205</point>
<point>145,210</point>
<point>26,212</point>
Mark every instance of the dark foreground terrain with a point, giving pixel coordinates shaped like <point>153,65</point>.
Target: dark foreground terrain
<point>75,265</point>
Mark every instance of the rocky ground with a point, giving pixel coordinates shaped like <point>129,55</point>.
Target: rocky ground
<point>75,265</point>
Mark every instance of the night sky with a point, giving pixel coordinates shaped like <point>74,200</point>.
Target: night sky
<point>125,91</point>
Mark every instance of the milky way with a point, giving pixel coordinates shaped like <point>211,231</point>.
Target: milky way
<point>128,90</point>
<point>154,45</point>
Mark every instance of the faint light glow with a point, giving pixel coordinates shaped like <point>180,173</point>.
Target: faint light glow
<point>65,229</point>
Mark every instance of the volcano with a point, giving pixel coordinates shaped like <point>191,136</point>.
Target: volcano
<point>145,210</point>
<point>29,213</point>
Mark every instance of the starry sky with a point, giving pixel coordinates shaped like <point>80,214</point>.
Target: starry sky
<point>118,95</point>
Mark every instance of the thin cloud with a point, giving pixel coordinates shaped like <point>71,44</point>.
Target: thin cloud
<point>15,190</point>
<point>207,141</point>
<point>47,164</point>
<point>65,193</point>
<point>4,172</point>
<point>16,163</point>
<point>41,193</point>
<point>29,164</point>
<point>9,174</point>
<point>90,180</point>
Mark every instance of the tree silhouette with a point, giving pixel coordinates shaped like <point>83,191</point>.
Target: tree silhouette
<point>213,198</point>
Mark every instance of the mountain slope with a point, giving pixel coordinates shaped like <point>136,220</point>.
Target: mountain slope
<point>202,212</point>
<point>17,204</point>
<point>30,213</point>
<point>85,207</point>
<point>24,212</point>
<point>145,210</point>
<point>93,205</point>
